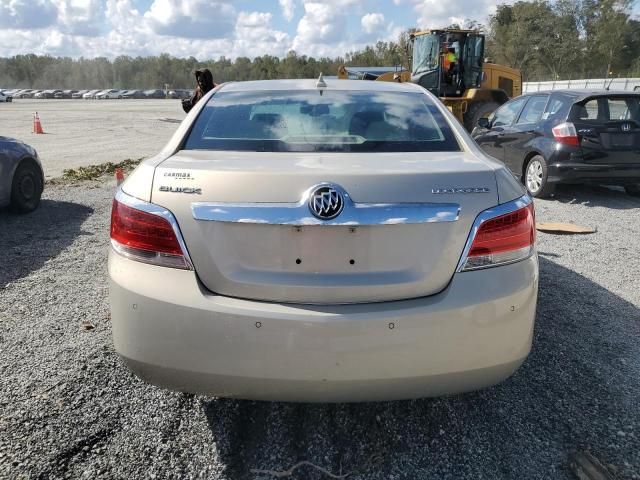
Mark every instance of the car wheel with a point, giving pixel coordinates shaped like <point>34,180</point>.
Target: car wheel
<point>26,187</point>
<point>477,111</point>
<point>535,177</point>
<point>119,97</point>
<point>633,190</point>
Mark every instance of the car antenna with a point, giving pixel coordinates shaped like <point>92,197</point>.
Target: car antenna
<point>321,83</point>
<point>608,86</point>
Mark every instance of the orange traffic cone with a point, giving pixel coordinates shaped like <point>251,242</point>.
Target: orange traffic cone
<point>37,126</point>
<point>119,176</point>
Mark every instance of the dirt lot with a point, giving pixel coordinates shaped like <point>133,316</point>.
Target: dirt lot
<point>70,409</point>
<point>86,132</point>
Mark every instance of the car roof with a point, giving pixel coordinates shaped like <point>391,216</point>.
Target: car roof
<point>310,84</point>
<point>581,94</point>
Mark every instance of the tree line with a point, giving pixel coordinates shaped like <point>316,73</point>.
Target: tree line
<point>566,39</point>
<point>546,40</point>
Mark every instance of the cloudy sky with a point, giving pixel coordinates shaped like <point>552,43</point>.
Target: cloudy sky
<point>209,29</point>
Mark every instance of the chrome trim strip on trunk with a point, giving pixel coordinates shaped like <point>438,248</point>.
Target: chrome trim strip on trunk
<point>298,214</point>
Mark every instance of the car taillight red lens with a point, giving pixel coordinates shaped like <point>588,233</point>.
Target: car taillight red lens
<point>566,134</point>
<point>145,237</point>
<point>503,239</point>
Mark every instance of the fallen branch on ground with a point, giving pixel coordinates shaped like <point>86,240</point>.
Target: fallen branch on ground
<point>289,472</point>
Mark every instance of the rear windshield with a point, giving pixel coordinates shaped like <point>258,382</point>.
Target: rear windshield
<point>606,109</point>
<point>302,121</point>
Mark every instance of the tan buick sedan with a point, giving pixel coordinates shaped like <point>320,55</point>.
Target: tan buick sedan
<point>322,241</point>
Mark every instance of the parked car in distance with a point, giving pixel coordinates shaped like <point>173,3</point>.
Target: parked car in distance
<point>91,94</point>
<point>78,94</point>
<point>333,240</point>
<point>179,94</point>
<point>129,94</point>
<point>5,97</point>
<point>567,136</point>
<point>157,93</point>
<point>98,93</point>
<point>46,94</point>
<point>21,176</point>
<point>109,94</point>
<point>64,94</point>
<point>24,93</point>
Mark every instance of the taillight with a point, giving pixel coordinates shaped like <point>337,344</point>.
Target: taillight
<point>146,235</point>
<point>566,134</point>
<point>501,239</point>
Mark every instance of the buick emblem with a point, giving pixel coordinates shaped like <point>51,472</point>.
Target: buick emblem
<point>325,202</point>
<point>626,127</point>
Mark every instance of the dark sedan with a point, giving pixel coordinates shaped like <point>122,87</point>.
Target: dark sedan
<point>64,94</point>
<point>154,94</point>
<point>567,136</point>
<point>132,94</point>
<point>21,176</point>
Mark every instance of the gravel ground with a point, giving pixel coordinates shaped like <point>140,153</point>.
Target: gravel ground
<point>70,409</point>
<point>87,132</point>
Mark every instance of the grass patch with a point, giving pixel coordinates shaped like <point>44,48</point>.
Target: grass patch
<point>94,172</point>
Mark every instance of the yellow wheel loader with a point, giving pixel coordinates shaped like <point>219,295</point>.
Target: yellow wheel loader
<point>450,64</point>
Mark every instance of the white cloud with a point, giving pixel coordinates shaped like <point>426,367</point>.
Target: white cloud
<point>209,29</point>
<point>253,33</point>
<point>288,8</point>
<point>191,18</point>
<point>372,22</point>
<point>23,14</point>
<point>323,28</point>
<point>81,17</point>
<point>321,23</point>
<point>435,13</point>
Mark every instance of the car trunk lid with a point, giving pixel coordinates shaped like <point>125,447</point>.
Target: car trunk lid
<point>401,233</point>
<point>609,129</point>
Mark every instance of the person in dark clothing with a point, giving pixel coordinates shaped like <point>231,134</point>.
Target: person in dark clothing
<point>204,79</point>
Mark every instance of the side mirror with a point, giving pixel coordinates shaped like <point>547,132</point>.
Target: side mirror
<point>484,123</point>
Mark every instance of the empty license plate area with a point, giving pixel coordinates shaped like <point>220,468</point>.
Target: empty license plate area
<point>334,249</point>
<point>620,140</point>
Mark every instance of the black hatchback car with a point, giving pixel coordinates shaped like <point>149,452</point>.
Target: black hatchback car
<point>567,136</point>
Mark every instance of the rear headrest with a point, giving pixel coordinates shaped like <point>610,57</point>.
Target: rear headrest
<point>315,110</point>
<point>369,116</point>
<point>268,118</point>
<point>361,121</point>
<point>581,112</point>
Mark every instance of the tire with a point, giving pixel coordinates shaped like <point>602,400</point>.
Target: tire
<point>477,111</point>
<point>26,187</point>
<point>119,97</point>
<point>535,178</point>
<point>633,190</point>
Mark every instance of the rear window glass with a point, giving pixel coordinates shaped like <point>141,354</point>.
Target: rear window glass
<point>606,109</point>
<point>334,121</point>
<point>533,109</point>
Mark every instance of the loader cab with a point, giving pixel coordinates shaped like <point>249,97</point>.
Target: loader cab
<point>433,68</point>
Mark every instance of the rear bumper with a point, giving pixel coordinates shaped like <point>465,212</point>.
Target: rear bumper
<point>173,333</point>
<point>588,173</point>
